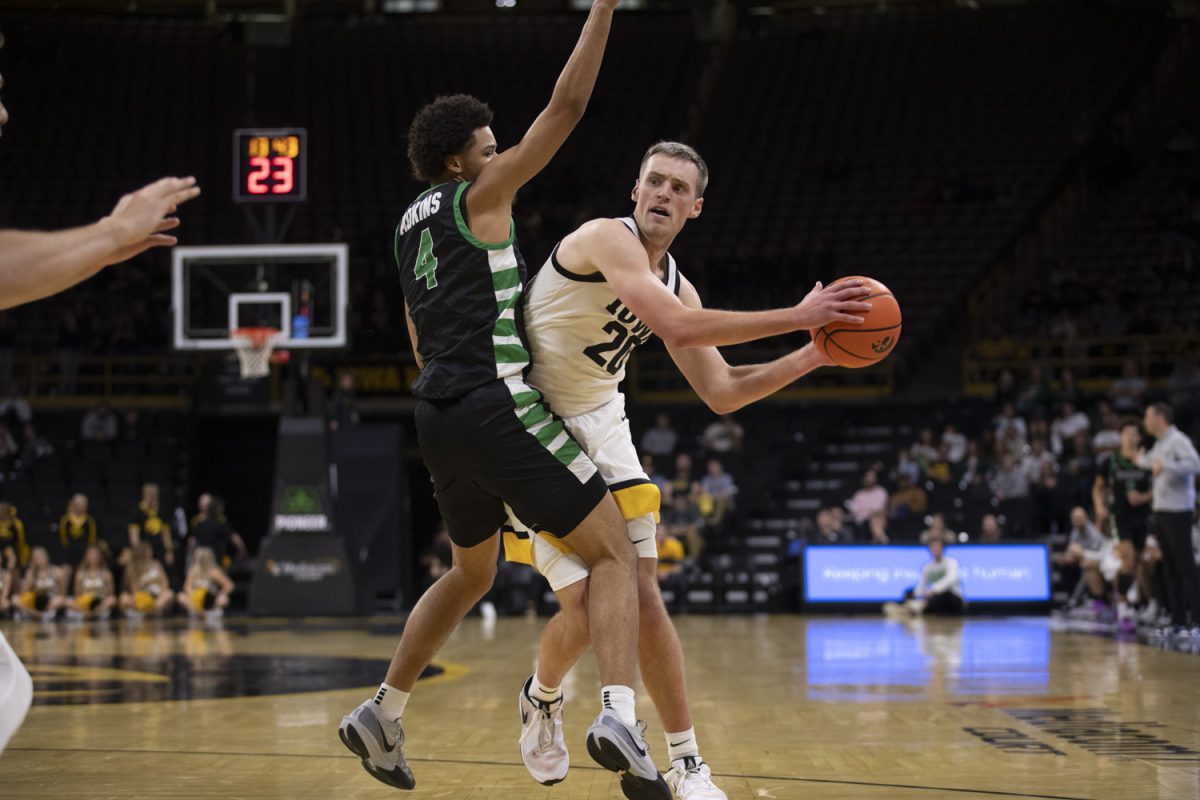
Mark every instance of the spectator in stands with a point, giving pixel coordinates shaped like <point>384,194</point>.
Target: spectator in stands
<point>42,589</point>
<point>941,469</point>
<point>831,527</point>
<point>1008,422</point>
<point>14,408</point>
<point>717,492</point>
<point>1129,391</point>
<point>940,589</point>
<point>146,525</point>
<point>77,530</point>
<point>94,595</point>
<point>683,482</point>
<point>1035,398</point>
<point>656,477</point>
<point>937,530</point>
<point>12,535</point>
<point>206,589</point>
<point>685,520</point>
<point>1091,552</point>
<point>1068,390</point>
<point>1069,423</point>
<point>866,501</point>
<point>671,580</point>
<point>1008,482</point>
<point>924,451</point>
<point>343,406</point>
<point>212,530</point>
<point>907,501</point>
<point>99,424</point>
<point>724,436</point>
<point>906,468</point>
<point>877,527</point>
<point>975,470</point>
<point>147,589</point>
<point>437,558</point>
<point>1108,436</point>
<point>955,442</point>
<point>1037,459</point>
<point>661,440</point>
<point>990,531</point>
<point>670,555</point>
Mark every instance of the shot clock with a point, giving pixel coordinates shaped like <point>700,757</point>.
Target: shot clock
<point>270,165</point>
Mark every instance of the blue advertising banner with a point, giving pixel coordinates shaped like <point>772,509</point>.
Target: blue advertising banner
<point>990,573</point>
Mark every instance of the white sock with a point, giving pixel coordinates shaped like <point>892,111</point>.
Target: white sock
<point>542,692</point>
<point>390,702</point>
<point>682,745</point>
<point>621,700</point>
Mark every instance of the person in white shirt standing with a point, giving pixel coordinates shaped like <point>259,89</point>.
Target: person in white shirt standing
<point>1174,463</point>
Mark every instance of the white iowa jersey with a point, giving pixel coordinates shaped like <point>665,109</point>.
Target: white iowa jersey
<point>581,335</point>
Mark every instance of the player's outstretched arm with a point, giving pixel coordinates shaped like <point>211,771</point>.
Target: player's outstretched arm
<point>35,264</point>
<point>605,246</point>
<point>725,388</point>
<point>510,170</point>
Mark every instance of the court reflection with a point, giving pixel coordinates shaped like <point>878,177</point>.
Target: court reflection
<point>875,660</point>
<point>156,661</point>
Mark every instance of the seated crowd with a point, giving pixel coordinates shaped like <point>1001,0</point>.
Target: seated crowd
<point>94,573</point>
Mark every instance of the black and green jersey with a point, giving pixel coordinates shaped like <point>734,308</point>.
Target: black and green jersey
<point>1124,476</point>
<point>464,296</point>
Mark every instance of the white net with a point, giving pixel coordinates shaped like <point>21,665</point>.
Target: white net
<point>253,347</point>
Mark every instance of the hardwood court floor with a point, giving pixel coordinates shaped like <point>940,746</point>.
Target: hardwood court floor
<point>786,707</point>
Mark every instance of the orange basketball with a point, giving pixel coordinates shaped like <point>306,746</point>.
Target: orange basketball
<point>853,346</point>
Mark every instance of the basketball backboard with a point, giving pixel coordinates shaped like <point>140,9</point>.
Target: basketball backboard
<point>301,290</point>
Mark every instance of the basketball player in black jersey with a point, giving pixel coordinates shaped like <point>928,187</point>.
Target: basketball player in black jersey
<point>1121,497</point>
<point>486,436</point>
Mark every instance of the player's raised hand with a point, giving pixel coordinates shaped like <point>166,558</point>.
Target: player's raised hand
<point>141,218</point>
<point>838,302</point>
<point>611,5</point>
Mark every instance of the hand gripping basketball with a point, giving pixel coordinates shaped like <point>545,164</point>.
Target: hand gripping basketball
<point>855,342</point>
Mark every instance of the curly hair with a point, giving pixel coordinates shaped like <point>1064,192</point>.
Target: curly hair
<point>444,128</point>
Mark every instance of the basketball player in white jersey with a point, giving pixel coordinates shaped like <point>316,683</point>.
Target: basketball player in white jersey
<point>605,289</point>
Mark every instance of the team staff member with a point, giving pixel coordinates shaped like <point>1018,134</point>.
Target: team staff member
<point>211,529</point>
<point>77,530</point>
<point>1175,463</point>
<point>147,526</point>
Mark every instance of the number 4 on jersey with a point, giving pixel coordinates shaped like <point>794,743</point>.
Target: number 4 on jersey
<point>427,263</point>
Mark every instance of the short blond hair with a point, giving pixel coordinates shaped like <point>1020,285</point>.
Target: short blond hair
<point>681,151</point>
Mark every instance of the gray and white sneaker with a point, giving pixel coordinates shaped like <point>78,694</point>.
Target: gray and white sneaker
<point>691,779</point>
<point>621,749</point>
<point>543,748</point>
<point>367,736</point>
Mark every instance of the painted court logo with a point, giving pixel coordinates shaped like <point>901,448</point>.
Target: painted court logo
<point>883,345</point>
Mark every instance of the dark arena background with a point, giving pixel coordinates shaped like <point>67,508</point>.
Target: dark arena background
<point>1022,175</point>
